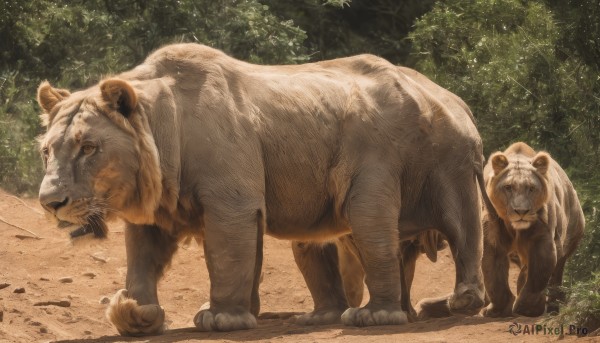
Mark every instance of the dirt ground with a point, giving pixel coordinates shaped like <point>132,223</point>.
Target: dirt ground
<point>81,273</point>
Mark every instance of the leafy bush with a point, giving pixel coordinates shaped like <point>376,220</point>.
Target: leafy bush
<point>20,163</point>
<point>500,56</point>
<point>582,307</point>
<point>76,43</point>
<point>525,80</point>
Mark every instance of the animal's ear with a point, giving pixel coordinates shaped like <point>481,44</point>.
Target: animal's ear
<point>48,96</point>
<point>499,162</point>
<point>541,162</point>
<point>119,95</point>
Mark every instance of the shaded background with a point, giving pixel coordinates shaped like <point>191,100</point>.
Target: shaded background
<point>529,70</point>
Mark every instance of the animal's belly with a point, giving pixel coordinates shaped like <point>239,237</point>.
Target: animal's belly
<point>320,232</point>
<point>299,206</point>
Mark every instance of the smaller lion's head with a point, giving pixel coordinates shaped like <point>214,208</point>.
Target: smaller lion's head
<point>519,188</point>
<point>100,161</point>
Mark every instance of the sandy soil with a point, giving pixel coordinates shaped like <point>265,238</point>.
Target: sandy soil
<point>96,268</point>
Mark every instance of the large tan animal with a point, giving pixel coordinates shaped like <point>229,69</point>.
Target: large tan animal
<point>539,218</point>
<point>193,142</point>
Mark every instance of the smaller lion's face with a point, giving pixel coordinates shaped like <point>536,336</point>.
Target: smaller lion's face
<point>519,189</point>
<point>89,161</point>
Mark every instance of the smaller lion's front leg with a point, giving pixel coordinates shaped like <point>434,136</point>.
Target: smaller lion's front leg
<point>531,300</point>
<point>135,311</point>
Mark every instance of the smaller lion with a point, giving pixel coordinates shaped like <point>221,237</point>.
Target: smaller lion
<point>540,219</point>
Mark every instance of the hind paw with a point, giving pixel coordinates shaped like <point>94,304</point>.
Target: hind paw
<point>210,320</point>
<point>366,317</point>
<point>320,318</point>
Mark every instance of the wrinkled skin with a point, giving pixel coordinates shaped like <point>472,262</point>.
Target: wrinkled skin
<point>337,275</point>
<point>540,219</point>
<point>193,142</point>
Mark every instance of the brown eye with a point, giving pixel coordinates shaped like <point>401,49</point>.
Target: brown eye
<point>531,189</point>
<point>88,149</point>
<point>507,188</point>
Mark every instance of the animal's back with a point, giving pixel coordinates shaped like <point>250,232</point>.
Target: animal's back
<point>319,122</point>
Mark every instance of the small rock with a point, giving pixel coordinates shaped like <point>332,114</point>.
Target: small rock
<point>65,257</point>
<point>100,257</point>
<point>43,330</point>
<point>104,300</point>
<point>61,303</point>
<point>1,316</point>
<point>19,290</point>
<point>89,274</point>
<point>22,237</point>
<point>178,297</point>
<point>32,323</point>
<point>44,279</point>
<point>87,332</point>
<point>65,280</point>
<point>4,285</point>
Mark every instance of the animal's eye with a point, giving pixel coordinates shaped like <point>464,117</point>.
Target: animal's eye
<point>88,149</point>
<point>508,188</point>
<point>45,152</point>
<point>531,189</point>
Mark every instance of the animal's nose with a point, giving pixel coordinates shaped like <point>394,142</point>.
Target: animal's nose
<point>53,205</point>
<point>521,212</point>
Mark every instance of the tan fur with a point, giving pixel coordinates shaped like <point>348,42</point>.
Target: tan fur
<point>540,219</point>
<point>132,319</point>
<point>48,97</point>
<point>194,142</point>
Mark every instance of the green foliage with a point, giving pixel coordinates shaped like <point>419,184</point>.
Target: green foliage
<point>586,259</point>
<point>20,163</point>
<point>337,28</point>
<point>527,79</point>
<point>505,59</point>
<point>583,305</point>
<point>75,43</point>
<point>499,56</point>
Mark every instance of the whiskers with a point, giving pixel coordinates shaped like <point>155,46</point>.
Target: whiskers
<point>97,212</point>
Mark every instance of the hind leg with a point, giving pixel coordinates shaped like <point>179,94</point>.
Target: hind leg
<point>460,223</point>
<point>408,254</point>
<point>495,266</point>
<point>373,211</point>
<point>135,311</point>
<point>318,263</point>
<point>351,270</point>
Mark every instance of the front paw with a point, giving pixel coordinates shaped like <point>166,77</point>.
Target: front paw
<point>211,320</point>
<point>365,316</point>
<point>497,310</point>
<point>466,300</point>
<point>131,319</point>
